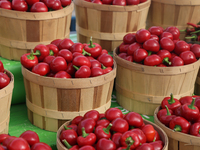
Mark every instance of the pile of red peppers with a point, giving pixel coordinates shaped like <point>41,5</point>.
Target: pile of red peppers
<point>4,78</point>
<point>111,130</point>
<point>181,115</point>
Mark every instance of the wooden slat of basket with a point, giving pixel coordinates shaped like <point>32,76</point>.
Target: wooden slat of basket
<point>179,2</point>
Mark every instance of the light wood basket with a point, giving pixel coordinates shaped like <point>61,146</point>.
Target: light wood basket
<point>22,31</point>
<point>141,88</point>
<point>178,140</point>
<point>107,24</point>
<point>177,13</point>
<point>53,101</point>
<point>5,103</point>
<point>162,134</point>
<point>197,85</point>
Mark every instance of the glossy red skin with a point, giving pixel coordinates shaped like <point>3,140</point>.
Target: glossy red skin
<point>107,2</point>
<point>83,72</point>
<point>188,57</point>
<point>133,2</point>
<point>166,34</point>
<point>177,61</point>
<point>39,7</point>
<point>76,47</point>
<point>140,135</point>
<point>41,68</point>
<point>123,48</point>
<point>69,135</point>
<point>152,60</point>
<point>65,44</point>
<point>185,99</point>
<point>18,143</point>
<point>81,60</point>
<point>134,119</point>
<point>104,51</point>
<point>58,64</point>
<point>100,133</point>
<point>142,35</point>
<point>185,125</point>
<point>5,5</point>
<point>43,51</point>
<point>169,104</point>
<point>195,48</point>
<point>195,129</point>
<point>65,53</point>
<point>56,42</point>
<point>95,63</point>
<point>157,136</point>
<point>94,51</point>
<point>7,140</point>
<point>161,65</point>
<point>164,53</point>
<point>88,124</point>
<point>106,60</point>
<point>174,31</point>
<point>119,2</point>
<point>97,2</point>
<point>129,58</point>
<point>145,146</point>
<point>166,119</point>
<point>116,139</point>
<point>65,3</point>
<point>4,80</point>
<point>105,144</point>
<point>155,30</point>
<point>103,122</point>
<point>181,46</point>
<point>158,145</point>
<point>132,48</point>
<point>2,147</point>
<point>62,74</point>
<point>3,136</point>
<point>155,37</point>
<point>71,126</point>
<point>70,69</point>
<point>151,45</point>
<point>139,55</point>
<point>197,102</point>
<point>96,71</point>
<point>167,44</point>
<point>48,59</point>
<point>129,38</point>
<point>41,146</point>
<point>51,4</point>
<point>28,61</point>
<point>77,120</point>
<point>102,116</point>
<point>31,2</point>
<point>113,113</point>
<point>149,132</point>
<point>30,136</point>
<point>90,139</point>
<point>53,49</point>
<point>94,114</point>
<point>133,136</point>
<point>107,70</point>
<point>163,112</point>
<point>177,111</point>
<point>19,5</point>
<point>119,125</point>
<point>87,147</point>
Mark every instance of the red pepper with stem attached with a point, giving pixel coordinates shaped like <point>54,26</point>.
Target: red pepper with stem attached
<point>180,124</point>
<point>171,102</point>
<point>28,60</point>
<point>130,138</point>
<point>190,112</point>
<point>152,60</point>
<point>103,132</point>
<point>78,47</point>
<point>116,139</point>
<point>69,147</point>
<point>195,129</point>
<point>86,138</point>
<point>165,55</point>
<point>82,72</point>
<point>185,99</point>
<point>163,112</point>
<point>41,51</point>
<point>193,25</point>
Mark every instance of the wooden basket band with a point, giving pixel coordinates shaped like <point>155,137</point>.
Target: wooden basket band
<point>178,2</point>
<point>4,124</point>
<point>62,115</point>
<point>198,80</point>
<point>116,8</point>
<point>24,44</point>
<point>144,97</point>
<point>37,16</point>
<point>101,35</point>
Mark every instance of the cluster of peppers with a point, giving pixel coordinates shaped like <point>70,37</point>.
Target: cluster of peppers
<point>181,115</point>
<point>63,58</point>
<point>4,78</point>
<point>111,130</point>
<point>158,47</point>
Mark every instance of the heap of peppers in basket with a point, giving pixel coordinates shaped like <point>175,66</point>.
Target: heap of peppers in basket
<point>63,58</point>
<point>158,47</point>
<point>181,115</point>
<point>4,78</point>
<point>111,130</point>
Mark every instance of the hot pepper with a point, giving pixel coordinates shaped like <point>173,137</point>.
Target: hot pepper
<point>193,25</point>
<point>82,72</point>
<point>179,124</point>
<point>195,129</point>
<point>171,102</point>
<point>86,139</point>
<point>78,47</point>
<point>190,112</point>
<point>102,132</point>
<point>75,147</point>
<point>41,51</point>
<point>130,138</point>
<point>28,60</point>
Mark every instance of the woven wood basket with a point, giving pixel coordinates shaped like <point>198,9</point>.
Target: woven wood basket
<point>22,31</point>
<point>5,103</point>
<point>178,140</point>
<point>162,134</point>
<point>107,24</point>
<point>177,13</point>
<point>141,88</point>
<point>53,101</point>
<point>197,84</point>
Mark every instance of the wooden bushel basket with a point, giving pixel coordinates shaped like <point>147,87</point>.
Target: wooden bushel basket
<point>22,31</point>
<point>5,103</point>
<point>107,24</point>
<point>141,88</point>
<point>178,140</point>
<point>53,101</point>
<point>177,13</point>
<point>162,134</point>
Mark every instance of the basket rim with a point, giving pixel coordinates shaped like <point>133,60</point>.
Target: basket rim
<point>178,2</point>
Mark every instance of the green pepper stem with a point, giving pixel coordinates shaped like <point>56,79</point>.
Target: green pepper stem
<point>76,67</point>
<point>171,100</point>
<point>85,53</point>
<point>103,67</point>
<point>51,53</point>
<point>66,144</point>
<point>84,134</point>
<point>195,32</point>
<point>91,44</point>
<point>192,37</point>
<point>31,57</point>
<point>37,52</point>
<point>166,60</point>
<point>177,128</point>
<point>129,141</point>
<point>128,147</point>
<point>168,113</point>
<point>149,53</point>
<point>107,129</point>
<point>66,128</point>
<point>191,106</point>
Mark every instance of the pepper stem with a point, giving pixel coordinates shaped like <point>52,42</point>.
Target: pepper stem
<point>103,67</point>
<point>128,147</point>
<point>75,67</point>
<point>107,129</point>
<point>66,144</point>
<point>183,30</point>
<point>195,32</point>
<point>91,44</point>
<point>149,53</point>
<point>84,134</point>
<point>191,106</point>
<point>51,53</point>
<point>66,128</point>
<point>171,100</point>
<point>166,60</point>
<point>129,141</point>
<point>85,53</point>
<point>192,37</point>
<point>177,128</point>
<point>37,52</point>
<point>168,113</point>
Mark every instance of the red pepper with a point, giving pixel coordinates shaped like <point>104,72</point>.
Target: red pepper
<point>129,58</point>
<point>177,111</point>
<point>149,132</point>
<point>197,102</point>
<point>96,71</point>
<point>193,25</point>
<point>129,38</point>
<point>94,114</point>
<point>140,134</point>
<point>41,68</point>
<point>86,139</point>
<point>190,112</point>
<point>76,120</point>
<point>75,147</point>
<point>188,57</point>
<point>103,132</point>
<point>58,64</point>
<point>165,55</point>
<point>65,44</point>
<point>28,60</point>
<point>142,35</point>
<point>78,47</point>
<point>185,99</point>
<point>106,60</point>
<point>139,55</point>
<point>105,144</point>
<point>179,124</point>
<point>113,113</point>
<point>166,34</point>
<point>65,53</point>
<point>3,136</point>
<point>133,47</point>
<point>1,66</point>
<point>106,69</point>
<point>119,125</point>
<point>171,102</point>
<point>81,60</point>
<point>181,46</point>
<point>41,51</point>
<point>102,122</point>
<point>156,30</point>
<point>53,49</point>
<point>69,135</point>
<point>158,145</point>
<point>195,129</point>
<point>195,48</point>
<point>152,60</point>
<point>177,61</point>
<point>116,139</point>
<point>130,138</point>
<point>145,146</point>
<point>134,119</point>
<point>123,48</point>
<point>88,124</point>
<point>71,126</point>
<point>87,147</point>
<point>151,45</point>
<point>174,31</point>
<point>82,72</point>
<point>95,63</point>
<point>62,74</point>
<point>167,44</point>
